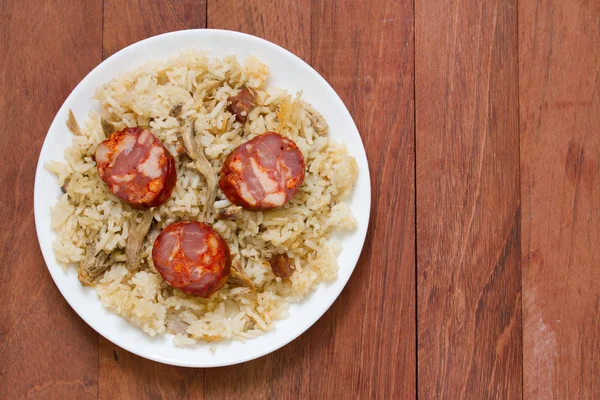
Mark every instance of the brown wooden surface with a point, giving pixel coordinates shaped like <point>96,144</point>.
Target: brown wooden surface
<point>507,112</point>
<point>468,237</point>
<point>39,333</point>
<point>559,93</point>
<point>365,346</point>
<point>128,21</point>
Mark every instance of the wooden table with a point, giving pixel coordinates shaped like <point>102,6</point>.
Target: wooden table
<point>480,277</point>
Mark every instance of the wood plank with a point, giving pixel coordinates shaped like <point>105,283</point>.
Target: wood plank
<point>129,21</point>
<point>42,61</point>
<point>365,345</point>
<point>559,94</point>
<point>285,373</point>
<point>468,215</point>
<point>287,24</point>
<point>122,374</point>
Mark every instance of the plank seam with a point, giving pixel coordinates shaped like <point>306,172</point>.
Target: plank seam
<point>414,7</point>
<point>519,222</point>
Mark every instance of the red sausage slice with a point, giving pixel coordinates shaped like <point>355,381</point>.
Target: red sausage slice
<point>263,173</point>
<point>136,167</point>
<point>192,257</point>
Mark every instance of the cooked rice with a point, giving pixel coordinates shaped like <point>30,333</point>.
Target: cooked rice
<point>300,229</point>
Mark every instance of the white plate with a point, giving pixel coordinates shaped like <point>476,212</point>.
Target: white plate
<point>287,71</point>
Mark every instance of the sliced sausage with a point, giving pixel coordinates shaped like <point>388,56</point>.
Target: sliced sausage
<point>192,257</point>
<point>263,173</point>
<point>136,167</point>
<point>240,104</point>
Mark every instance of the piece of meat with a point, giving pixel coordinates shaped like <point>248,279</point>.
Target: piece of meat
<point>176,110</point>
<point>263,173</point>
<point>136,167</point>
<point>282,266</point>
<point>202,165</point>
<point>232,212</point>
<point>94,264</point>
<point>239,278</point>
<point>107,127</point>
<point>72,124</point>
<point>240,104</point>
<point>192,257</point>
<point>135,239</point>
<point>316,119</point>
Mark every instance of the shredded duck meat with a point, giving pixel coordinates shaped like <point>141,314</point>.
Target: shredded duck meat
<point>107,127</point>
<point>94,263</point>
<point>176,110</point>
<point>72,124</point>
<point>196,153</point>
<point>316,119</point>
<point>239,278</point>
<point>135,239</point>
<point>230,212</point>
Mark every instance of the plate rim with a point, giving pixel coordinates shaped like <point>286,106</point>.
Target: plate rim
<point>50,258</point>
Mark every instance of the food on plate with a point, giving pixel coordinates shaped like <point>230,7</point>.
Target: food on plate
<point>230,212</point>
<point>239,277</point>
<point>204,167</point>
<point>117,229</point>
<point>263,173</point>
<point>316,119</point>
<point>95,262</point>
<point>241,104</point>
<point>72,124</point>
<point>136,167</point>
<point>192,257</point>
<point>138,231</point>
<point>282,266</point>
<point>107,127</point>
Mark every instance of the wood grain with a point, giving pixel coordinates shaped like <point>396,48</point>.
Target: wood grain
<point>129,21</point>
<point>285,373</point>
<point>559,94</point>
<point>365,345</point>
<point>468,218</point>
<point>42,61</point>
<point>502,117</point>
<point>286,24</point>
<point>123,374</point>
